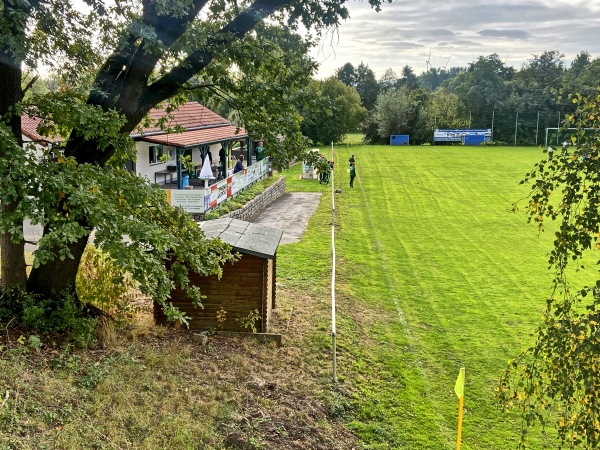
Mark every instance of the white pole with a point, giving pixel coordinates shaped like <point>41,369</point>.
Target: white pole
<point>557,128</point>
<point>537,127</point>
<point>516,124</point>
<point>333,327</point>
<point>493,116</point>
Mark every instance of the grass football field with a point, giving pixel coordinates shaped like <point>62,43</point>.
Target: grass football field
<point>433,274</point>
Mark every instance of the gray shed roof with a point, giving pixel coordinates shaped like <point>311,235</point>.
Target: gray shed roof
<point>245,237</point>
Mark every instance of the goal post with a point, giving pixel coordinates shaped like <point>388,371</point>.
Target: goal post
<point>562,134</point>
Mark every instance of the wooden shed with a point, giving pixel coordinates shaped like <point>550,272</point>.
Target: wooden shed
<point>245,286</point>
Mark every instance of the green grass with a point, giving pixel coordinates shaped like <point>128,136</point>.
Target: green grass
<point>433,274</point>
<point>353,139</point>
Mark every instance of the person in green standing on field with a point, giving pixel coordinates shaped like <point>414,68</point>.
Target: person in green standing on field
<point>352,174</point>
<point>260,151</point>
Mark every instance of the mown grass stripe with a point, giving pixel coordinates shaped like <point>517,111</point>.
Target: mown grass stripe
<point>428,229</point>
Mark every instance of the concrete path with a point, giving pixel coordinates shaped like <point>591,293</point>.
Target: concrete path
<point>290,213</point>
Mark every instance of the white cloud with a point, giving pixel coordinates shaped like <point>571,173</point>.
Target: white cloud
<point>457,32</point>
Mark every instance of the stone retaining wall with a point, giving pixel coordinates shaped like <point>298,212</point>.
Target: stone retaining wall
<point>260,202</point>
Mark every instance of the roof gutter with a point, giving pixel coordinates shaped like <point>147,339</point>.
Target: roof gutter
<point>157,133</point>
<point>216,141</point>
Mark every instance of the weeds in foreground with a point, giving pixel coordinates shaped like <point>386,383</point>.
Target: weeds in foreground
<point>250,321</point>
<point>63,316</point>
<point>240,394</point>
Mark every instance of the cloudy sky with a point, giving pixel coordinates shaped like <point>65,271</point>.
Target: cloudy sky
<point>455,32</point>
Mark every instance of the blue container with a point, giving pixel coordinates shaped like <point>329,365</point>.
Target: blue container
<point>185,181</point>
<point>399,139</point>
<point>474,139</point>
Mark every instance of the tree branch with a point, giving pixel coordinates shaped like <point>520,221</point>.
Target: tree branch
<point>168,28</point>
<point>128,70</point>
<point>171,82</point>
<point>31,83</point>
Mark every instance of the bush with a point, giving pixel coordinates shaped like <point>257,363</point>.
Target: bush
<point>240,199</point>
<point>61,315</point>
<point>101,284</point>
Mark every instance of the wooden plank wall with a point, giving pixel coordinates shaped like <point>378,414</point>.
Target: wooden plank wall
<point>269,292</point>
<point>241,289</point>
<point>274,283</point>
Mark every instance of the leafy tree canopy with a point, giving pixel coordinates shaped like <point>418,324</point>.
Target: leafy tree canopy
<point>336,112</point>
<point>363,79</point>
<point>388,80</point>
<point>446,110</point>
<point>399,111</point>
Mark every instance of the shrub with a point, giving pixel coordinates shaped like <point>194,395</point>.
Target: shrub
<point>101,284</point>
<point>240,199</point>
<point>62,315</point>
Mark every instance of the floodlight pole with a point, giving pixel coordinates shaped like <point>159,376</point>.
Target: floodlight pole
<point>493,116</point>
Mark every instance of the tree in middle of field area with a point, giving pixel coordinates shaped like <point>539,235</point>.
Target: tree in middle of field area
<point>335,112</point>
<point>557,381</point>
<point>399,110</point>
<point>446,110</point>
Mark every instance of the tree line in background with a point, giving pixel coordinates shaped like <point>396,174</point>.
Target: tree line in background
<point>517,104</point>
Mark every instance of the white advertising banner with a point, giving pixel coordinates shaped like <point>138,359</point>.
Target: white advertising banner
<point>190,201</point>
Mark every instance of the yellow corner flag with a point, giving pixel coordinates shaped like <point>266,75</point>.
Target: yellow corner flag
<point>459,389</point>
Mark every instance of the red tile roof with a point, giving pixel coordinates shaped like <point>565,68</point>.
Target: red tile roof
<point>29,128</point>
<point>198,137</point>
<point>205,127</point>
<point>189,115</point>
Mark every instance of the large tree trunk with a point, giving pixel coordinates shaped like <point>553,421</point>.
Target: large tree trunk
<point>12,254</point>
<point>58,276</point>
<point>12,268</point>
